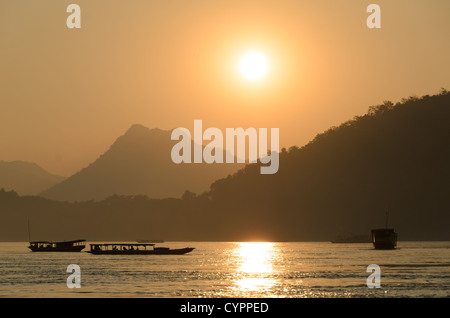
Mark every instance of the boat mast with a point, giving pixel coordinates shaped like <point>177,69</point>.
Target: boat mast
<point>387,218</point>
<point>29,239</point>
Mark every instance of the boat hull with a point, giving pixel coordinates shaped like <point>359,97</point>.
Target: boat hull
<point>55,249</point>
<point>179,251</point>
<point>384,246</point>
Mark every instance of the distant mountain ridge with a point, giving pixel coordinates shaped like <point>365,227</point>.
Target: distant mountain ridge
<point>395,158</point>
<point>26,178</point>
<point>138,163</point>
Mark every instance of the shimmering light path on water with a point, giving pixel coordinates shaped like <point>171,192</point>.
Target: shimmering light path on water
<point>227,269</point>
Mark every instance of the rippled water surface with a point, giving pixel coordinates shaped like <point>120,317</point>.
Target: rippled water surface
<point>221,269</point>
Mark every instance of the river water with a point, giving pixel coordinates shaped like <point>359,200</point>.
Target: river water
<point>233,269</point>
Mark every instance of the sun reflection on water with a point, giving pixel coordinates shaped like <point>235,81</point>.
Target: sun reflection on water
<point>256,266</point>
<point>256,257</point>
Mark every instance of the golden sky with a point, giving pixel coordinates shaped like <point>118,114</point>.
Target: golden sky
<point>67,94</point>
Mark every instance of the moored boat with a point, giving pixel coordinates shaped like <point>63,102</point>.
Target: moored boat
<point>61,246</point>
<point>135,249</point>
<point>384,239</point>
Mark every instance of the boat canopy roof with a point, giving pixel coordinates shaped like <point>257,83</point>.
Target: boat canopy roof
<point>123,244</point>
<point>56,242</point>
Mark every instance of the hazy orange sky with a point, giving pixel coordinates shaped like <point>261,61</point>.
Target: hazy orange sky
<point>67,94</point>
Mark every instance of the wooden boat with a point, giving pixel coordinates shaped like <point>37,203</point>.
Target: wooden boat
<point>384,238</point>
<point>135,249</point>
<point>62,246</point>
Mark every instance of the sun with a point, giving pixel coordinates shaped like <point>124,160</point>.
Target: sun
<point>253,65</point>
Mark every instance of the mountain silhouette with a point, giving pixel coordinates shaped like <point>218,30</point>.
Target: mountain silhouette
<point>138,163</point>
<point>394,158</point>
<point>26,178</point>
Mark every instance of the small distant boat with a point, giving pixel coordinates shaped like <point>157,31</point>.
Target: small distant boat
<point>352,239</point>
<point>149,241</point>
<point>63,246</point>
<point>135,249</point>
<point>384,238</point>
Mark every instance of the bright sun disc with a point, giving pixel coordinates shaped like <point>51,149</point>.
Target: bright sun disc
<point>253,65</point>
